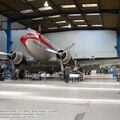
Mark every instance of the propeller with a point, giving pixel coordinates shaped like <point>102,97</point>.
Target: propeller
<point>61,65</point>
<point>69,47</point>
<point>11,55</point>
<point>61,54</point>
<point>3,53</point>
<point>51,50</point>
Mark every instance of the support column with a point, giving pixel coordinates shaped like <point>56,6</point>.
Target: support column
<point>117,48</point>
<point>118,41</point>
<point>9,44</point>
<point>118,36</point>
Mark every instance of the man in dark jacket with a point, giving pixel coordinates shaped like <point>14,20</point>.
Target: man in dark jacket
<point>67,73</point>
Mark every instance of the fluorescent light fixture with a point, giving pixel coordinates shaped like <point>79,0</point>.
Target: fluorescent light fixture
<point>78,20</point>
<point>39,18</point>
<point>52,28</point>
<point>68,26</point>
<point>68,6</point>
<point>59,22</point>
<point>26,11</point>
<point>54,16</point>
<point>97,25</point>
<point>46,4</point>
<point>93,14</point>
<point>74,15</point>
<point>45,8</point>
<point>82,25</point>
<point>90,5</point>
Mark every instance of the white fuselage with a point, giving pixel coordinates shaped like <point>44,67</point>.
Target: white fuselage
<point>37,47</point>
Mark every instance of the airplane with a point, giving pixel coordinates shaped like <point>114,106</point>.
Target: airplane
<point>41,49</point>
<point>45,52</point>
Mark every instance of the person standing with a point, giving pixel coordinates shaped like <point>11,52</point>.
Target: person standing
<point>67,73</point>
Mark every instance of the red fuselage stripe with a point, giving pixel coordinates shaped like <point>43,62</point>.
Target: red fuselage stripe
<point>25,38</point>
<point>34,38</point>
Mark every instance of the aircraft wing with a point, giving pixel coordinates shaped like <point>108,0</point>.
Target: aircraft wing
<point>4,61</point>
<point>36,65</point>
<point>95,61</point>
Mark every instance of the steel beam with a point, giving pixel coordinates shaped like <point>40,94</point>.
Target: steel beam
<point>35,9</point>
<point>79,28</point>
<point>59,11</point>
<point>112,11</point>
<point>81,13</point>
<point>99,5</point>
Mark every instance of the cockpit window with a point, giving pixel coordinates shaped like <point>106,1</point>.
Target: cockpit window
<point>32,35</point>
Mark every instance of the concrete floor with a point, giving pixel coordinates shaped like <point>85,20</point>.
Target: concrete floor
<point>92,99</point>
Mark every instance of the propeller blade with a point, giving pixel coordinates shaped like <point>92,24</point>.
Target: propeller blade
<point>61,64</point>
<point>52,51</point>
<point>69,47</point>
<point>3,53</point>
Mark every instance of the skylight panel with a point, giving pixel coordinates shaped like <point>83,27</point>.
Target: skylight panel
<point>97,25</point>
<point>68,26</point>
<point>26,11</point>
<point>46,4</point>
<point>45,8</point>
<point>90,5</point>
<point>78,20</point>
<point>74,15</point>
<point>68,6</point>
<point>39,18</point>
<point>93,14</point>
<point>59,22</point>
<point>82,25</point>
<point>54,16</point>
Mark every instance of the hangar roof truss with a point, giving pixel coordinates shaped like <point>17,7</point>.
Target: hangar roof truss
<point>63,15</point>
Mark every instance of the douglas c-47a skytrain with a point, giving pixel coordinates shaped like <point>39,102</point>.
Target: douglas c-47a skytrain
<point>41,49</point>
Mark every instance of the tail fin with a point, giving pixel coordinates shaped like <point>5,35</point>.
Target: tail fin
<point>39,29</point>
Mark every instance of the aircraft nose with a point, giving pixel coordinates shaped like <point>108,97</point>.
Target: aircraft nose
<point>23,39</point>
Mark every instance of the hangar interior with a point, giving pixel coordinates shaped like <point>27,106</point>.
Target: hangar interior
<point>41,41</point>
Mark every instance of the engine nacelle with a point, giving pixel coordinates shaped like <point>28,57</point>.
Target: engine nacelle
<point>65,56</point>
<point>17,58</point>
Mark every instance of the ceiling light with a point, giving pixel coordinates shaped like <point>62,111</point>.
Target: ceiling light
<point>64,26</point>
<point>89,5</point>
<point>92,14</point>
<point>82,25</point>
<point>39,18</point>
<point>52,28</point>
<point>97,25</point>
<point>74,15</point>
<point>54,16</point>
<point>68,6</point>
<point>68,26</point>
<point>79,20</point>
<point>46,4</point>
<point>45,8</point>
<point>26,11</point>
<point>58,22</point>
